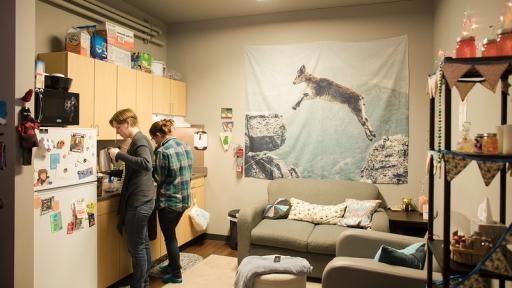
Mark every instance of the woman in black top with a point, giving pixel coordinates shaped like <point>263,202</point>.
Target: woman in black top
<point>137,194</point>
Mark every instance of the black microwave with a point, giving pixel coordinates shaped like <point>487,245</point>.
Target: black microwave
<point>57,107</point>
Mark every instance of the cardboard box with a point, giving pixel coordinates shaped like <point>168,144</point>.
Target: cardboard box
<point>78,42</point>
<point>118,36</point>
<point>142,61</point>
<point>98,41</point>
<point>98,46</point>
<point>118,56</point>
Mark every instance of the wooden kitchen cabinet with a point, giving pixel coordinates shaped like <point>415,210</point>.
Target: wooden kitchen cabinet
<point>144,100</point>
<point>185,230</point>
<point>178,98</point>
<point>108,242</point>
<point>161,95</point>
<point>126,89</point>
<point>105,94</point>
<point>81,70</point>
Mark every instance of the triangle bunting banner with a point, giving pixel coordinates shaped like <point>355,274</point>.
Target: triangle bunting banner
<point>432,86</point>
<point>492,74</point>
<point>454,165</point>
<point>464,88</point>
<point>453,71</point>
<point>489,170</point>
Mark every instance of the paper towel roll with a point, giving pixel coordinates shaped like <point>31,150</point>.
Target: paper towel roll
<point>507,139</point>
<point>499,135</point>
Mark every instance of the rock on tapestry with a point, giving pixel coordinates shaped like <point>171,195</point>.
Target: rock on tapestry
<point>328,110</point>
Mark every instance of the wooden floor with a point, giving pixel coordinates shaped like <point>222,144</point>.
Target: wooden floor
<point>204,248</point>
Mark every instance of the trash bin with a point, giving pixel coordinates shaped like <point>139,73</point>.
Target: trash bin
<point>233,218</point>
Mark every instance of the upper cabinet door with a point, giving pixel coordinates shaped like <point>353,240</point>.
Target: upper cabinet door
<point>105,94</point>
<point>178,98</point>
<point>126,88</point>
<point>161,95</point>
<point>81,70</point>
<point>144,100</point>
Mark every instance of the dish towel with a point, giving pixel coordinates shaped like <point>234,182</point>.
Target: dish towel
<point>253,266</point>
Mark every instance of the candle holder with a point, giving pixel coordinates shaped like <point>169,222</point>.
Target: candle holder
<point>489,47</point>
<point>504,42</point>
<point>466,47</point>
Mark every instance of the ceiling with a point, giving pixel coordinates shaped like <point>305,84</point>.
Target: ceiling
<point>177,11</point>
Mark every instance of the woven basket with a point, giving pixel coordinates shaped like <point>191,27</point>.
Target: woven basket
<point>467,256</point>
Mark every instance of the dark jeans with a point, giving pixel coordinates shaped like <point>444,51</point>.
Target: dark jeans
<point>169,219</point>
<point>136,227</point>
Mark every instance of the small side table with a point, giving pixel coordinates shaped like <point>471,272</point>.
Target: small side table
<point>407,223</point>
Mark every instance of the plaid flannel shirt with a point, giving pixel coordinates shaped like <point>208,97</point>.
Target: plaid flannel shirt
<point>174,170</point>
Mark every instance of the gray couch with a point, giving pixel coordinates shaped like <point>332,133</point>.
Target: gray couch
<point>316,243</point>
<point>355,268</point>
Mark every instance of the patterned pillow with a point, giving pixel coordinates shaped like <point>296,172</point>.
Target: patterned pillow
<point>314,213</point>
<point>359,213</point>
<point>279,210</point>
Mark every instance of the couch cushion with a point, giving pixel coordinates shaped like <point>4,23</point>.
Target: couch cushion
<point>323,239</point>
<point>283,233</point>
<point>321,191</point>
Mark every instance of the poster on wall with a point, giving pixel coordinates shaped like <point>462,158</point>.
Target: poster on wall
<point>328,110</point>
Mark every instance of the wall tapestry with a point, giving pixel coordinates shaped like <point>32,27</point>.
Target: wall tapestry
<point>328,110</point>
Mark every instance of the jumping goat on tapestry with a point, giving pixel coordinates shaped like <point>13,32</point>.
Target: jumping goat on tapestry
<point>328,90</point>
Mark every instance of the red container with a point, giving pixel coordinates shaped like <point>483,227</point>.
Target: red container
<point>504,43</point>
<point>489,48</point>
<point>466,47</point>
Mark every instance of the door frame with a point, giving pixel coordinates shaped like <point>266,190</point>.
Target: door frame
<point>7,175</point>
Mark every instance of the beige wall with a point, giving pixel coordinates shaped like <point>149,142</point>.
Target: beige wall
<point>468,189</point>
<point>24,209</point>
<point>53,22</point>
<point>210,55</point>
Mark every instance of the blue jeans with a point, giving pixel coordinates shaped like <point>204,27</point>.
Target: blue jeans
<point>169,219</point>
<point>136,227</point>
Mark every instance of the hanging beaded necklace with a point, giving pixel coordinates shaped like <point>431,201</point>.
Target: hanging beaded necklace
<point>440,83</point>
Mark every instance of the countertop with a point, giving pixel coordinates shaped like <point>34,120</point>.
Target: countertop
<point>199,173</point>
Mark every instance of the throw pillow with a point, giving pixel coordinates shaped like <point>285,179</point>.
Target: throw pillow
<point>314,213</point>
<point>413,256</point>
<point>359,213</point>
<point>279,210</point>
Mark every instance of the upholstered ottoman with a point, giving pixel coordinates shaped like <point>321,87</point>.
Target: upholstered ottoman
<point>280,281</point>
<point>272,271</point>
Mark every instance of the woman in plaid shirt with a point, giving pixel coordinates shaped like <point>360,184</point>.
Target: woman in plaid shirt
<point>173,170</point>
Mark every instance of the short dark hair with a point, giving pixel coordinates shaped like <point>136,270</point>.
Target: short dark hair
<point>124,116</point>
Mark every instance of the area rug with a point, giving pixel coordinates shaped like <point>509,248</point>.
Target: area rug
<point>187,261</point>
<point>215,272</point>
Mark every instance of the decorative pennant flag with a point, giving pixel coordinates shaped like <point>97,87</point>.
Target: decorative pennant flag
<point>454,165</point>
<point>464,88</point>
<point>453,71</point>
<point>488,86</point>
<point>432,86</point>
<point>492,74</point>
<point>489,170</point>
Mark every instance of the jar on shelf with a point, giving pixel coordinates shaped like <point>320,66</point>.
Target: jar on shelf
<point>466,47</point>
<point>504,43</point>
<point>478,143</point>
<point>489,47</point>
<point>465,143</point>
<point>490,143</point>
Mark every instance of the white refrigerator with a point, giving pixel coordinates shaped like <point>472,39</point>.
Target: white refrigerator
<point>65,208</point>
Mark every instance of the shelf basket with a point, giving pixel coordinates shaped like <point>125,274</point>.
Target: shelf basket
<point>467,256</point>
